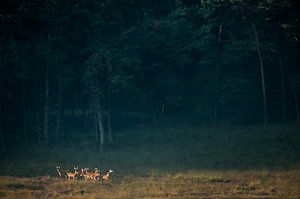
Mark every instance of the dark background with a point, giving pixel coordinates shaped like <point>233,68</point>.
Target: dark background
<point>85,69</point>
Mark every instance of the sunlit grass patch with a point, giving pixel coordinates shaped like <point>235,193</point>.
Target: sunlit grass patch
<point>190,184</point>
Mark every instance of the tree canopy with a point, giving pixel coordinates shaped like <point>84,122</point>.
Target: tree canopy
<point>102,65</point>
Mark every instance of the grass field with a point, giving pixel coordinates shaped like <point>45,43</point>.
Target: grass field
<point>177,162</point>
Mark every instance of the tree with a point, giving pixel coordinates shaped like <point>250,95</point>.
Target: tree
<point>97,68</point>
<point>3,147</point>
<point>261,65</point>
<point>8,60</point>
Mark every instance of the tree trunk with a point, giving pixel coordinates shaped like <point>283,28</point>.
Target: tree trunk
<point>162,111</point>
<point>59,110</point>
<point>101,129</point>
<point>261,64</point>
<point>109,130</point>
<point>94,108</point>
<point>46,107</point>
<point>37,108</point>
<point>217,70</point>
<point>294,95</point>
<point>282,79</point>
<point>89,117</point>
<point>282,88</point>
<point>24,111</point>
<point>296,104</point>
<point>1,134</point>
<point>3,147</point>
<point>100,122</point>
<point>108,99</point>
<point>178,2</point>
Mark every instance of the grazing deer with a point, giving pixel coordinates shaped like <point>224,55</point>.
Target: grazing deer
<point>72,174</point>
<point>61,174</point>
<point>106,176</point>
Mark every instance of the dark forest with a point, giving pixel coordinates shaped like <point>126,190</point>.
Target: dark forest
<point>150,90</point>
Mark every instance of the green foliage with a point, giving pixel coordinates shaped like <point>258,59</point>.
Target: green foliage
<point>164,59</point>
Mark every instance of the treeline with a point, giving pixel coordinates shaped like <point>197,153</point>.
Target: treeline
<point>94,64</point>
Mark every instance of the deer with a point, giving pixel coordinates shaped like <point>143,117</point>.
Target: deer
<point>61,174</point>
<point>72,174</point>
<point>107,175</point>
<point>90,175</point>
<point>86,173</point>
<point>96,175</point>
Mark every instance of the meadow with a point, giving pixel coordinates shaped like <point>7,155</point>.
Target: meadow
<point>165,162</point>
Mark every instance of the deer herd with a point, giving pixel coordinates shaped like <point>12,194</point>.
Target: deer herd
<point>83,173</point>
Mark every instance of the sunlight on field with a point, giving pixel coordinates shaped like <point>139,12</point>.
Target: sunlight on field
<point>192,184</point>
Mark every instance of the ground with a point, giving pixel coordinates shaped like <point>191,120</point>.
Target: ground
<point>177,162</point>
<point>200,184</point>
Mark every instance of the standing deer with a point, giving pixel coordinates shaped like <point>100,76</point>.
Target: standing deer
<point>90,175</point>
<point>61,174</point>
<point>107,175</point>
<point>72,174</point>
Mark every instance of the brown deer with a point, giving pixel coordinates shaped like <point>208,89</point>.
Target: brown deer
<point>96,175</point>
<point>107,175</point>
<point>90,175</point>
<point>72,175</point>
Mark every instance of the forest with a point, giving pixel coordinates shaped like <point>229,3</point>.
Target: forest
<point>207,84</point>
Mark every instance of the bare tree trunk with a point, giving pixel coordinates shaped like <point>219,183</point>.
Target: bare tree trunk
<point>59,110</point>
<point>96,127</point>
<point>100,122</point>
<point>3,147</point>
<point>46,107</point>
<point>101,129</point>
<point>109,130</point>
<point>261,64</point>
<point>24,111</point>
<point>217,70</point>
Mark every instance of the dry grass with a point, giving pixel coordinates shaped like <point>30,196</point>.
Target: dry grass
<point>177,162</point>
<point>193,184</point>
